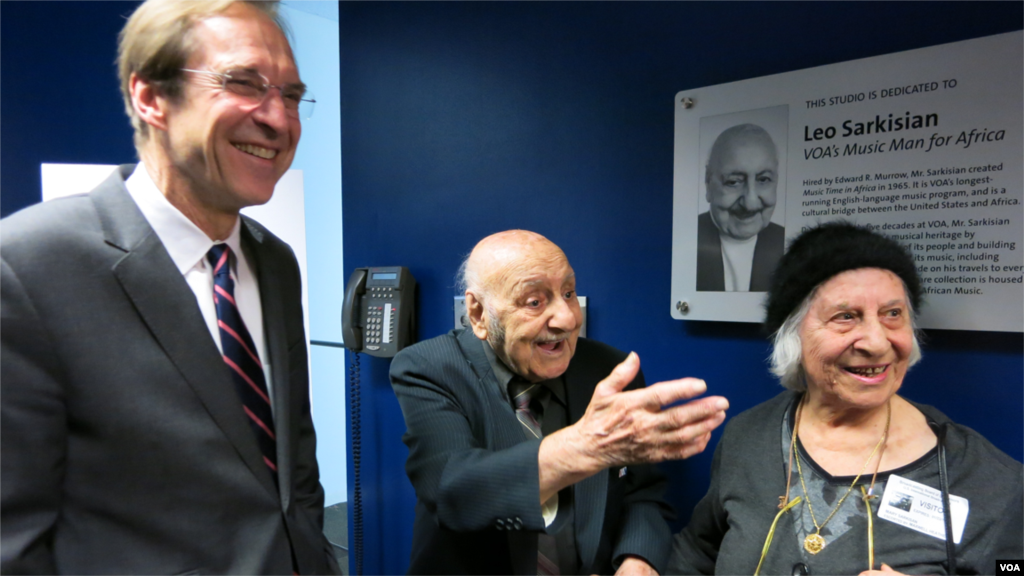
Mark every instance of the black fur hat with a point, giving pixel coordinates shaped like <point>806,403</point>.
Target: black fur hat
<point>829,249</point>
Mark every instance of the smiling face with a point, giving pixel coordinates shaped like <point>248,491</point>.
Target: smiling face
<point>741,180</point>
<point>858,338</point>
<point>527,309</point>
<point>225,152</point>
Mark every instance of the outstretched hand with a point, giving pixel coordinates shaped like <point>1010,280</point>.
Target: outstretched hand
<point>630,427</point>
<point>621,428</point>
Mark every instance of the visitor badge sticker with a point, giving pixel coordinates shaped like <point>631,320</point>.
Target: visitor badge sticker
<point>919,507</point>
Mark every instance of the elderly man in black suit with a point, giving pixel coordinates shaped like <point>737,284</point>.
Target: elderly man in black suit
<point>527,444</point>
<point>155,402</point>
<point>738,245</point>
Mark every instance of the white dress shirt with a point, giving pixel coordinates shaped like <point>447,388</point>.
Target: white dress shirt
<point>187,246</point>
<point>738,260</point>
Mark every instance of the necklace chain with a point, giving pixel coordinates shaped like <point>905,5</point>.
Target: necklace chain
<point>814,543</point>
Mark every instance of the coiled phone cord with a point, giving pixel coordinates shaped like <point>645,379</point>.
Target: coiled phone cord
<point>354,403</point>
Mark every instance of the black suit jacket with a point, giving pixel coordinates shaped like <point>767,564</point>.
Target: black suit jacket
<point>125,449</point>
<point>476,476</point>
<point>711,271</point>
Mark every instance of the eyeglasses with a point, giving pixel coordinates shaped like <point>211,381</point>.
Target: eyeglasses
<point>253,86</point>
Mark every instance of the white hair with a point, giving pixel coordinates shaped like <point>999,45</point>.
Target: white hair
<point>787,348</point>
<point>465,277</point>
<point>468,280</point>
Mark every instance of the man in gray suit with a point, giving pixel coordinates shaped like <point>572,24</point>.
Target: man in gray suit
<point>155,403</point>
<point>527,443</point>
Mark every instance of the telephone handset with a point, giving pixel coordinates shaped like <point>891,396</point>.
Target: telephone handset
<point>377,314</point>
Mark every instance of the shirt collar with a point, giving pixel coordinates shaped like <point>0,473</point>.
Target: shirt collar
<point>183,240</point>
<point>730,241</point>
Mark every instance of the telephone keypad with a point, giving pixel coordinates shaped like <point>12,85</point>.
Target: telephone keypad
<point>375,330</point>
<point>374,326</point>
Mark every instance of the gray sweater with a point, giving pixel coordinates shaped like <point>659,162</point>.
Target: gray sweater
<point>728,527</point>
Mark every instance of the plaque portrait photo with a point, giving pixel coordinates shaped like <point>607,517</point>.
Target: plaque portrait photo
<point>741,210</point>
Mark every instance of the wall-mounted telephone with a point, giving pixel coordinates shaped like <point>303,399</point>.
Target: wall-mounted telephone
<point>377,316</point>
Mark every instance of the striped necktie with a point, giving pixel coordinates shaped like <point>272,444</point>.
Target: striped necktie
<point>529,408</point>
<point>240,355</point>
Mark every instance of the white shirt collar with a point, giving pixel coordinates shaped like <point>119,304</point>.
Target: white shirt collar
<point>184,241</point>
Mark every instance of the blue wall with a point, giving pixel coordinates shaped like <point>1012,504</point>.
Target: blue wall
<point>61,101</point>
<point>462,119</point>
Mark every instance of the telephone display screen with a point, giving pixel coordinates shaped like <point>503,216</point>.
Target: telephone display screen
<point>391,276</point>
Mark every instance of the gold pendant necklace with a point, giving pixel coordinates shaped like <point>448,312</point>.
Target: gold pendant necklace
<point>814,543</point>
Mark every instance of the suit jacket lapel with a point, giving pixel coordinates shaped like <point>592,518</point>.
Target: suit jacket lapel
<point>275,333</point>
<point>764,262</point>
<point>167,306</point>
<point>507,433</point>
<point>590,493</point>
<point>508,430</point>
<point>710,269</point>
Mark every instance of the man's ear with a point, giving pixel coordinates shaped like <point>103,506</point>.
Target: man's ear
<point>150,106</point>
<point>477,315</point>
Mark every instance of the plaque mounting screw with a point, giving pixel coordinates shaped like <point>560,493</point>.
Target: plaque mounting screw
<point>687,102</point>
<point>683,307</point>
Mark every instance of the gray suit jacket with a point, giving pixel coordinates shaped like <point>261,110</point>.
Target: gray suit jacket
<point>125,449</point>
<point>476,476</point>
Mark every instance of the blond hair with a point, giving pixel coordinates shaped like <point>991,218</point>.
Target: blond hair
<point>158,41</point>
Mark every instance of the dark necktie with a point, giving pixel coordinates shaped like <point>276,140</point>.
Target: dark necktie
<point>529,411</point>
<point>240,355</point>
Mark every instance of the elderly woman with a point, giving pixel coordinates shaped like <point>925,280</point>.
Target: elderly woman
<point>840,474</point>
